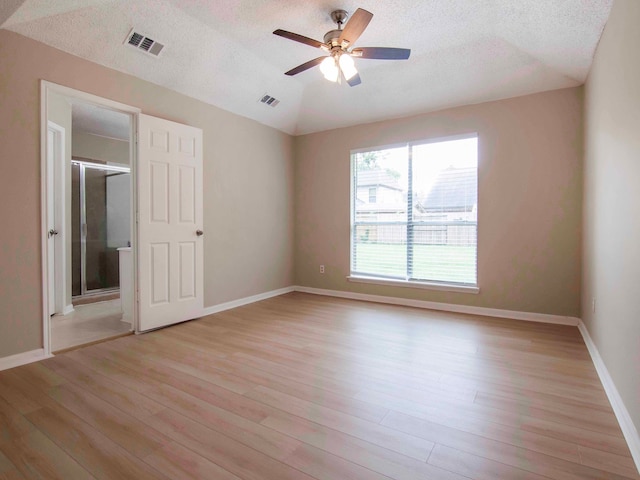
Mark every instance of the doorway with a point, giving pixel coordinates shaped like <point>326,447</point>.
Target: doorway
<point>162,282</point>
<point>94,191</point>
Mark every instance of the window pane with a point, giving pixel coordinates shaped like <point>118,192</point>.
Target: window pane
<point>445,253</point>
<point>445,180</point>
<point>431,238</point>
<point>380,250</point>
<point>381,185</point>
<point>445,185</point>
<point>380,207</point>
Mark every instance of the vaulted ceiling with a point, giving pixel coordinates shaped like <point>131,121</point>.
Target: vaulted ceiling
<point>223,52</point>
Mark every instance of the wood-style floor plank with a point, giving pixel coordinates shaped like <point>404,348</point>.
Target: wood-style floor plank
<point>229,454</point>
<point>36,456</point>
<point>125,430</point>
<point>491,420</point>
<point>246,431</point>
<point>477,467</point>
<point>527,459</point>
<point>316,388</point>
<point>12,474</point>
<point>359,451</point>
<point>180,462</point>
<point>378,434</point>
<point>18,393</point>
<point>121,397</point>
<point>89,447</point>
<point>335,400</point>
<point>12,424</point>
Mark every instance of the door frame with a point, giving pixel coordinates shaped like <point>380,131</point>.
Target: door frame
<point>84,165</point>
<point>78,96</point>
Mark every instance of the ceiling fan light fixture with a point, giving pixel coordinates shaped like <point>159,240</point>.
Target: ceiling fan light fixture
<point>330,69</point>
<point>347,66</point>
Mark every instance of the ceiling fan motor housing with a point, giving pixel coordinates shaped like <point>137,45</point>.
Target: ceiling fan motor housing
<point>331,37</point>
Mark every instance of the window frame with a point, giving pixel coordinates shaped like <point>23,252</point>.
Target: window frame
<point>394,281</point>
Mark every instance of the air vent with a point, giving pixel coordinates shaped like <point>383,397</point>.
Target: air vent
<point>269,100</point>
<point>141,42</point>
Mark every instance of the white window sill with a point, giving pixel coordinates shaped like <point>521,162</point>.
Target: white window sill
<point>444,287</point>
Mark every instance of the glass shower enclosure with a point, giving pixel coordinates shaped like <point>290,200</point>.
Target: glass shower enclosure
<point>100,210</point>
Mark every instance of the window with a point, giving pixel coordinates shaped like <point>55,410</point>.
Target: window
<point>423,226</point>
<point>372,195</point>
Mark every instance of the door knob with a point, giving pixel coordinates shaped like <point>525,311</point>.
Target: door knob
<point>199,233</point>
<point>52,232</point>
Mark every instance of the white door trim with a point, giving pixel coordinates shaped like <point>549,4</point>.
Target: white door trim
<point>84,97</point>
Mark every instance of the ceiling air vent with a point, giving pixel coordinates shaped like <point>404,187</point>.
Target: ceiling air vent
<point>140,41</point>
<point>269,100</point>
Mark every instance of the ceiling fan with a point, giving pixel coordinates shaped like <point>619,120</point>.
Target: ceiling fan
<point>338,44</point>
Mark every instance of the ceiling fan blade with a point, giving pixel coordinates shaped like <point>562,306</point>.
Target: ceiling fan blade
<point>298,38</point>
<point>355,80</point>
<point>382,53</point>
<point>355,26</point>
<point>305,66</point>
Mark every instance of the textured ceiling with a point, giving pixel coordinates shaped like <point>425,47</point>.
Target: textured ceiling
<point>223,52</point>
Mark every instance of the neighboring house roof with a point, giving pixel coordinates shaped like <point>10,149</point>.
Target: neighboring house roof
<point>375,178</point>
<point>455,190</point>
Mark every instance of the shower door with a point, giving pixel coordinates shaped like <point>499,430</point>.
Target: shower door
<point>101,224</point>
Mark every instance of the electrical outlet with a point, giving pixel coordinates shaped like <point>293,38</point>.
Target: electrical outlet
<point>593,305</point>
<point>321,268</point>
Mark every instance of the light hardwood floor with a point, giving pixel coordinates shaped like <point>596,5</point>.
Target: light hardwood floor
<point>310,387</point>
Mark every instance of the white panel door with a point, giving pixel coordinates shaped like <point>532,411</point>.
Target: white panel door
<point>51,222</point>
<point>170,237</point>
<point>56,257</point>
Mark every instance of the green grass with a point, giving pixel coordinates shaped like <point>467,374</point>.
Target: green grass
<point>441,263</point>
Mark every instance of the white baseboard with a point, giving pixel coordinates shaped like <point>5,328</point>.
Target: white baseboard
<point>245,301</point>
<point>446,307</point>
<point>68,309</point>
<point>22,358</point>
<point>629,430</point>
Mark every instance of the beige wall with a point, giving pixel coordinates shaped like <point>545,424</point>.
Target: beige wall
<point>248,178</point>
<point>612,202</point>
<point>529,201</point>
<point>95,147</point>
